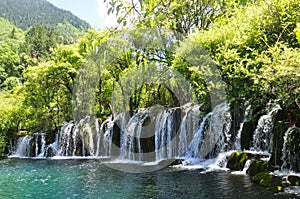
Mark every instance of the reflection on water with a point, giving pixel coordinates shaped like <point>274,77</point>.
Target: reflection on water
<point>91,179</point>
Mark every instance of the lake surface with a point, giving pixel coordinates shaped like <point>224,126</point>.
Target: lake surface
<point>28,178</point>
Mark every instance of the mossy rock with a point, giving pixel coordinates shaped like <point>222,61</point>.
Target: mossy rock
<point>271,182</point>
<point>276,189</point>
<point>237,160</point>
<point>294,180</point>
<point>258,166</point>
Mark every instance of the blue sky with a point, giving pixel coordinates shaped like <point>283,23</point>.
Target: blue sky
<point>92,11</point>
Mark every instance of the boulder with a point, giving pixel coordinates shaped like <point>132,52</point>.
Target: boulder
<point>294,180</point>
<point>271,182</point>
<point>237,160</point>
<point>258,166</point>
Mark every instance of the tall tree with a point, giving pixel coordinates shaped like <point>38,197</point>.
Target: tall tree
<point>40,41</point>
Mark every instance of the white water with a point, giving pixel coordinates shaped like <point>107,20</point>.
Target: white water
<point>165,145</point>
<point>216,135</point>
<point>237,144</point>
<point>90,138</point>
<point>195,138</point>
<point>108,133</point>
<point>24,146</point>
<point>43,142</point>
<point>53,146</point>
<point>262,137</point>
<point>194,146</point>
<point>289,150</point>
<point>170,139</point>
<point>132,136</point>
<point>188,127</point>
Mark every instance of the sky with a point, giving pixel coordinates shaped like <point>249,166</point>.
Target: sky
<point>92,11</point>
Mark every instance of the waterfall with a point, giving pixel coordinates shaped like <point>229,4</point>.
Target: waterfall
<point>40,144</point>
<point>24,146</point>
<point>189,125</point>
<point>52,149</point>
<point>217,134</point>
<point>75,136</point>
<point>262,137</point>
<point>194,147</point>
<point>42,149</point>
<point>214,128</point>
<point>237,144</point>
<point>121,120</point>
<point>291,150</point>
<point>132,136</point>
<point>88,130</point>
<point>165,145</point>
<point>107,127</point>
<point>66,138</point>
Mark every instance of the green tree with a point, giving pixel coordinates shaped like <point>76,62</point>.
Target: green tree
<point>48,94</point>
<point>40,42</point>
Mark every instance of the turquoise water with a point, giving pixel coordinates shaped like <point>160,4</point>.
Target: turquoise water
<point>27,178</point>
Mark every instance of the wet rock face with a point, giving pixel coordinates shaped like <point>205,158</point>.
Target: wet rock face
<point>247,134</point>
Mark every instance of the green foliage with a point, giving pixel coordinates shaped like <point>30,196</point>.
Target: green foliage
<point>243,50</point>
<point>279,75</point>
<point>48,94</point>
<point>11,117</point>
<point>40,42</point>
<point>297,30</point>
<point>181,16</point>
<point>237,42</point>
<point>68,34</point>
<point>10,56</point>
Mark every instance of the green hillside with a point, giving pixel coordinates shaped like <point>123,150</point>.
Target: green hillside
<point>26,13</point>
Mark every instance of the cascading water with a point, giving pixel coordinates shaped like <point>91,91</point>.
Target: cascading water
<point>291,150</point>
<point>40,150</point>
<point>165,142</point>
<point>67,139</point>
<point>24,146</point>
<point>237,144</point>
<point>107,127</point>
<point>181,132</point>
<point>174,135</point>
<point>189,125</point>
<point>52,149</point>
<point>262,137</point>
<point>88,130</point>
<point>194,147</point>
<point>132,136</point>
<point>216,135</point>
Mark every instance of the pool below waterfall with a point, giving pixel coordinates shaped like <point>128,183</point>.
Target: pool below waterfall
<point>93,178</point>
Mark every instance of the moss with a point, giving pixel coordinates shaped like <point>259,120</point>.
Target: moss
<point>275,189</point>
<point>271,182</point>
<point>263,179</point>
<point>237,160</point>
<point>258,166</point>
<point>294,180</point>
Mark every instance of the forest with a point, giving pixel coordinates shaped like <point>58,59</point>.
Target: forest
<point>253,46</point>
